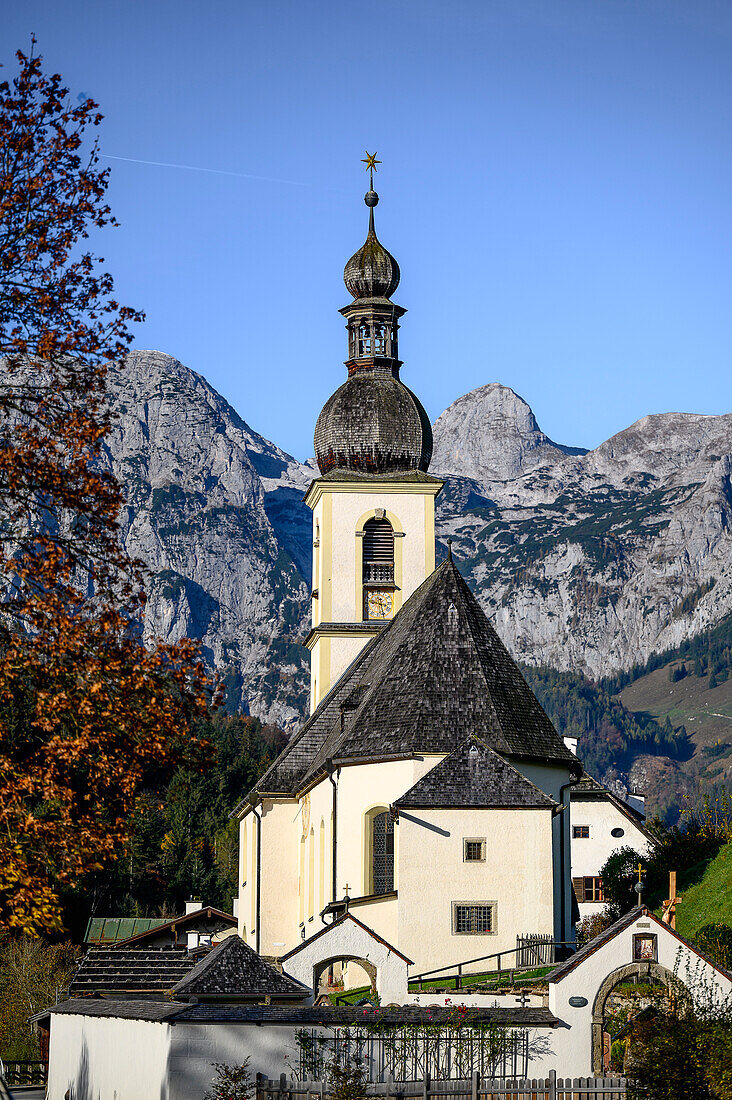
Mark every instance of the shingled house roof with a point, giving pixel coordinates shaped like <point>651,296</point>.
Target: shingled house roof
<point>118,971</point>
<point>330,1016</point>
<point>589,790</point>
<point>474,776</point>
<point>436,674</point>
<point>207,920</point>
<point>233,971</point>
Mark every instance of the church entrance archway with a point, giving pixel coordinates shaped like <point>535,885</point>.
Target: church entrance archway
<point>323,967</point>
<point>644,976</point>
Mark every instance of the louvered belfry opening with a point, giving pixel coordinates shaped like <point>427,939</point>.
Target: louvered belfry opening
<point>382,853</point>
<point>378,552</point>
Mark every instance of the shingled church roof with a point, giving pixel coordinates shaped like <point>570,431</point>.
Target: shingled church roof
<point>474,776</point>
<point>436,675</point>
<point>232,970</point>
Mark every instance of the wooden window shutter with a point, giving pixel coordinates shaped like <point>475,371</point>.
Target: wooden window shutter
<point>579,888</point>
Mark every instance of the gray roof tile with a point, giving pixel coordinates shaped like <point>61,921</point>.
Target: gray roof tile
<point>115,970</point>
<point>325,1015</point>
<point>437,674</point>
<point>233,969</point>
<point>473,775</point>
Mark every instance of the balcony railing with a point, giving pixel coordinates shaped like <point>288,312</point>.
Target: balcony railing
<point>378,572</point>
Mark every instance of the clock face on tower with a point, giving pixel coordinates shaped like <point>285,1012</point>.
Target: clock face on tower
<point>379,603</point>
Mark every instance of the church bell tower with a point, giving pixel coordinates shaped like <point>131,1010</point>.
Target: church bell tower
<point>374,503</point>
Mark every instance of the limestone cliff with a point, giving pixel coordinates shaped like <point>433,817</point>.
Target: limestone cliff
<point>594,560</point>
<point>198,481</point>
<point>585,560</point>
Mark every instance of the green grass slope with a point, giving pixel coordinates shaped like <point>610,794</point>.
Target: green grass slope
<point>710,898</point>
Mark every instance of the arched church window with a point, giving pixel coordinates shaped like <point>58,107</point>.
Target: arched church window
<point>311,873</point>
<point>378,569</point>
<point>382,853</point>
<point>321,866</point>
<point>378,552</point>
<point>379,339</point>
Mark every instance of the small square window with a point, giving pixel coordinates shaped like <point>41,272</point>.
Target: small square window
<point>474,850</point>
<point>580,832</point>
<point>473,918</point>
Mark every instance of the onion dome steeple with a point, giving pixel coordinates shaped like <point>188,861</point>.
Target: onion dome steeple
<point>373,424</point>
<point>372,272</point>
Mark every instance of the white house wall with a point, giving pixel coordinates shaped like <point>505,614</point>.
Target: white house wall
<point>573,1044</point>
<point>144,1060</point>
<point>590,854</point>
<point>517,875</point>
<point>104,1058</point>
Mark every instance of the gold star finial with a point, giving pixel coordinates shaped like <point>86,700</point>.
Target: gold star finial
<point>370,161</point>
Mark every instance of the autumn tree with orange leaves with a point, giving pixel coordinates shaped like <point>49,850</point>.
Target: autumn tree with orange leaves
<point>87,715</point>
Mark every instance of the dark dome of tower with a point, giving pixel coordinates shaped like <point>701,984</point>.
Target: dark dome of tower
<point>372,272</point>
<point>373,424</point>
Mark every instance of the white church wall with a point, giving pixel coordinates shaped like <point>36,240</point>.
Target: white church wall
<point>517,876</point>
<point>105,1058</point>
<point>279,875</point>
<point>362,788</point>
<point>349,939</point>
<point>551,778</point>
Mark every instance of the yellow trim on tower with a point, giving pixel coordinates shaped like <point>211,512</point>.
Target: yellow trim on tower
<point>429,535</point>
<point>326,559</point>
<point>319,488</point>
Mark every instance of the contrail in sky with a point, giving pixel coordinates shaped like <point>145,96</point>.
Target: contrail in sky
<point>215,171</point>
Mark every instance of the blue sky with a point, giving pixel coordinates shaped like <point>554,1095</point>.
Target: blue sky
<point>556,185</point>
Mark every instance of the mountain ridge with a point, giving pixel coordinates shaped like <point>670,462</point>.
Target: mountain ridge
<point>586,560</point>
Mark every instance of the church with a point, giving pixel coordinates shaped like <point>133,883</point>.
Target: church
<point>427,793</point>
<point>420,819</point>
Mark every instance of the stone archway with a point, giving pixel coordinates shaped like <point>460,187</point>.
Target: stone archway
<point>348,939</point>
<point>651,971</point>
<point>322,965</point>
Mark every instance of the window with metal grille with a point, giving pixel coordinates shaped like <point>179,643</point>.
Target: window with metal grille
<point>474,850</point>
<point>475,919</point>
<point>580,832</point>
<point>378,552</point>
<point>382,853</point>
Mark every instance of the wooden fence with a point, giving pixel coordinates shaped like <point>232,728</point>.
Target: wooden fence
<point>474,1088</point>
<point>26,1073</point>
<point>533,951</point>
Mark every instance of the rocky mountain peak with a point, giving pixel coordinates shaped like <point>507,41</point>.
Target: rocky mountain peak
<point>491,434</point>
<point>587,561</point>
